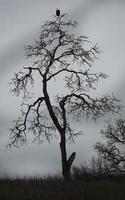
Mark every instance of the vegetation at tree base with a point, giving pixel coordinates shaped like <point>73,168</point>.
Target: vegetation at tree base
<point>112,152</point>
<point>58,53</point>
<point>96,170</point>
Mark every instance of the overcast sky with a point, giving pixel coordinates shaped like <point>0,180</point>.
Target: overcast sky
<point>103,21</point>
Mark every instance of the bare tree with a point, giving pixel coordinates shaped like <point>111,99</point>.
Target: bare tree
<point>58,53</point>
<point>113,151</point>
<point>98,167</point>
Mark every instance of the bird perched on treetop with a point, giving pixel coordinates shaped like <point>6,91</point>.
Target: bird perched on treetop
<point>57,12</point>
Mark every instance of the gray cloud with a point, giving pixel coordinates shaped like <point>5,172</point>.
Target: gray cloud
<point>87,7</point>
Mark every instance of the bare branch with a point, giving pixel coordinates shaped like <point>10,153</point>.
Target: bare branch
<point>20,82</point>
<point>18,133</point>
<point>84,105</point>
<point>112,150</point>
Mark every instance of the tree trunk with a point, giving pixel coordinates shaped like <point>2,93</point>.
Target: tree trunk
<point>66,164</point>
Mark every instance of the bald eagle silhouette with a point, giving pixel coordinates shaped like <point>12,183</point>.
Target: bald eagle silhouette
<point>57,12</point>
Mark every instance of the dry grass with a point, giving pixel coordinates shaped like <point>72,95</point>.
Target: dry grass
<point>53,188</point>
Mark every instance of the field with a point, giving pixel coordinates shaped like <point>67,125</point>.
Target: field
<point>55,188</point>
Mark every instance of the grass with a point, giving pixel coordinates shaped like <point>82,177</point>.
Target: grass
<point>53,188</point>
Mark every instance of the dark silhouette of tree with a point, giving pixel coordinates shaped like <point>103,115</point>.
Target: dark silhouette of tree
<point>95,169</point>
<point>58,53</point>
<point>113,151</point>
